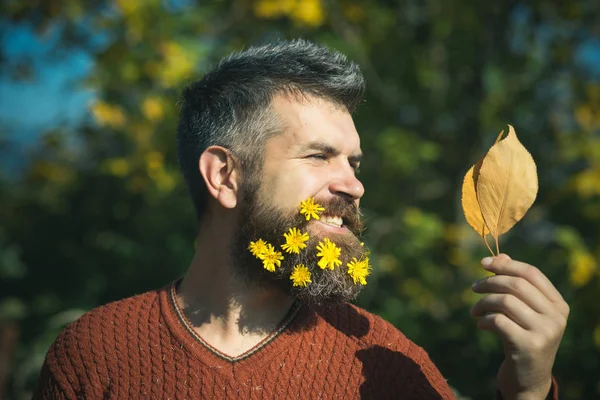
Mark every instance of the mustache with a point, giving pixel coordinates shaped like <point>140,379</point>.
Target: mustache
<point>347,210</point>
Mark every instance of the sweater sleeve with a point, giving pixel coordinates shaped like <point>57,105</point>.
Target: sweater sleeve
<point>425,378</point>
<point>395,367</point>
<point>69,370</point>
<point>401,373</point>
<point>48,387</point>
<point>552,394</point>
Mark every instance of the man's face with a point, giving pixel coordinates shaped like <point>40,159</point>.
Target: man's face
<point>316,156</point>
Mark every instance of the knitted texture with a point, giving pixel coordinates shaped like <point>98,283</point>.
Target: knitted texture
<point>142,348</point>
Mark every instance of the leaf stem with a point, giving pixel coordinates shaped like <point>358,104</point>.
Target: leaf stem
<point>487,245</point>
<point>497,246</point>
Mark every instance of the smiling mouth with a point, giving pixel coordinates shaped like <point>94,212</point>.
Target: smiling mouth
<point>332,220</point>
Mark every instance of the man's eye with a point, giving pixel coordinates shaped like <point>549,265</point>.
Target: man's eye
<point>319,156</point>
<point>356,168</point>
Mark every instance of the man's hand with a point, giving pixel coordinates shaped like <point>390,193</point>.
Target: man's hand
<point>530,316</point>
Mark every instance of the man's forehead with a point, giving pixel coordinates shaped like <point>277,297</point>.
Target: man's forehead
<point>315,123</point>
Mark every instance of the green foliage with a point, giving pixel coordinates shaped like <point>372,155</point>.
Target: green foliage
<point>109,217</point>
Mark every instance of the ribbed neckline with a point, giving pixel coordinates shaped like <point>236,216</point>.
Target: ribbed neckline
<point>279,342</point>
<point>287,320</point>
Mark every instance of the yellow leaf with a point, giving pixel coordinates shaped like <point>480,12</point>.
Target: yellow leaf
<point>469,201</point>
<point>507,184</point>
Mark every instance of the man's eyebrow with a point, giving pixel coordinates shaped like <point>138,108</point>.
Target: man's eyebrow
<point>329,150</point>
<point>320,146</point>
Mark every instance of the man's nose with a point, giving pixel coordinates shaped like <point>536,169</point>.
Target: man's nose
<point>347,185</point>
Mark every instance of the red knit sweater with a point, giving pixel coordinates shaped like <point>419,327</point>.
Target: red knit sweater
<point>143,348</point>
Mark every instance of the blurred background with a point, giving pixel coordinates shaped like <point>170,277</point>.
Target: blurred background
<point>93,208</point>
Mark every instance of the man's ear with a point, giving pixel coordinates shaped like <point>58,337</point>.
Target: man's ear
<point>220,170</point>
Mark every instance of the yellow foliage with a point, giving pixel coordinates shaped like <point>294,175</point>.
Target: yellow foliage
<point>413,217</point>
<point>108,115</point>
<point>74,10</point>
<point>354,12</point>
<point>164,181</point>
<point>154,162</point>
<point>388,263</point>
<point>153,108</point>
<point>52,172</point>
<point>130,71</point>
<point>587,182</point>
<point>178,64</point>
<point>141,133</point>
<point>597,336</point>
<point>411,288</point>
<point>309,12</point>
<point>458,257</point>
<point>273,8</point>
<point>584,116</point>
<point>117,167</point>
<point>129,7</point>
<point>582,267</point>
<point>303,12</point>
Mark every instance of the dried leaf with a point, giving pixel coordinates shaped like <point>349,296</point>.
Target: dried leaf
<point>469,201</point>
<point>507,184</point>
<point>470,204</point>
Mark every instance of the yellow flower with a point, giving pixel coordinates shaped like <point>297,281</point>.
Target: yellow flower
<point>301,275</point>
<point>329,254</point>
<point>258,248</point>
<point>271,258</point>
<point>294,241</point>
<point>359,270</point>
<point>311,209</point>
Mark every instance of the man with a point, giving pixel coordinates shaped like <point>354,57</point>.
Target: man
<point>269,152</point>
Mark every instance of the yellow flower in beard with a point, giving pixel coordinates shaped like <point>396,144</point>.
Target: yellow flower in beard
<point>329,253</point>
<point>271,258</point>
<point>258,248</point>
<point>359,270</point>
<point>300,275</point>
<point>294,241</point>
<point>311,209</point>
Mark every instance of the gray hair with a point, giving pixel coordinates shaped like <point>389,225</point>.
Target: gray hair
<point>230,105</point>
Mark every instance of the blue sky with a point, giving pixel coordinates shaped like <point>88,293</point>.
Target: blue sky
<point>55,95</point>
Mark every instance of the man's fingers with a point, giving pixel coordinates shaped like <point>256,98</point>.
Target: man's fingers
<point>509,305</point>
<point>507,329</point>
<point>517,287</point>
<point>504,265</point>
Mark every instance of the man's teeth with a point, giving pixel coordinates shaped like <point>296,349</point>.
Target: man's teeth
<point>333,221</point>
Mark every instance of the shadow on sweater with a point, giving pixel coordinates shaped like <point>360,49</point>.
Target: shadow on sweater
<point>344,318</point>
<point>392,375</point>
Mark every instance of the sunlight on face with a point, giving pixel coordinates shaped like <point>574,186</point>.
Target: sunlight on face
<point>317,155</point>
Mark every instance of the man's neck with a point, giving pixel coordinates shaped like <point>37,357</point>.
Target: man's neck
<point>222,309</point>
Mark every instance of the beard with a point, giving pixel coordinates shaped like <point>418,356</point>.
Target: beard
<point>261,219</point>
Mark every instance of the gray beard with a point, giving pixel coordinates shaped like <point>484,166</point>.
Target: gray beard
<point>261,221</point>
